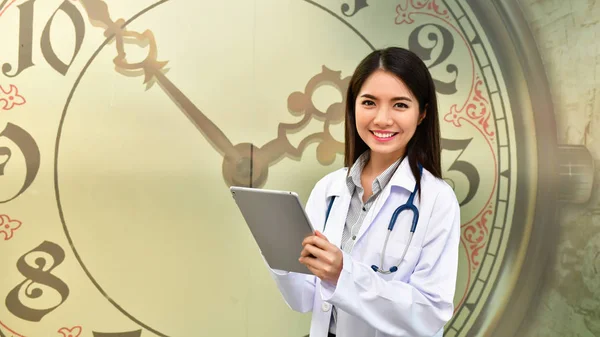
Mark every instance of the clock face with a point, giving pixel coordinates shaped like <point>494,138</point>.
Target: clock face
<point>143,133</point>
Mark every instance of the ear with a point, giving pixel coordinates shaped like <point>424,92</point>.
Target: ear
<point>422,115</point>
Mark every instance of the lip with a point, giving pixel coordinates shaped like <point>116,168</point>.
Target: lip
<point>383,139</point>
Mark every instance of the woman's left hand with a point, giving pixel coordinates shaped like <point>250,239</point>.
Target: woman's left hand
<point>322,258</point>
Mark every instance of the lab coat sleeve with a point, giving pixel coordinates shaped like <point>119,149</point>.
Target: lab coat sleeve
<point>298,290</point>
<point>419,307</point>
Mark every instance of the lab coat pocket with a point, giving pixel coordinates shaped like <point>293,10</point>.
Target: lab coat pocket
<point>393,257</point>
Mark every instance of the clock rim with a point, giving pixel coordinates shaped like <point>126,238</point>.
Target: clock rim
<point>532,237</point>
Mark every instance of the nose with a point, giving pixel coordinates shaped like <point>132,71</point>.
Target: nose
<point>383,117</point>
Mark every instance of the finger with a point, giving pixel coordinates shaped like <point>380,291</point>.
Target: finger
<point>314,251</point>
<point>309,240</point>
<point>310,250</point>
<point>318,242</point>
<point>314,263</point>
<point>305,252</point>
<point>321,235</point>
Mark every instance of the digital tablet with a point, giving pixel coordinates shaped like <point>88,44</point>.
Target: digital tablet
<point>278,223</point>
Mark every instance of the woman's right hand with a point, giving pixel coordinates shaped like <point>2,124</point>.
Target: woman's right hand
<point>322,258</point>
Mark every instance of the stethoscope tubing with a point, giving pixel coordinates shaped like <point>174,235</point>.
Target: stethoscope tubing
<point>409,205</point>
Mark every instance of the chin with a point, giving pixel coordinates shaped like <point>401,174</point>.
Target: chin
<point>386,150</point>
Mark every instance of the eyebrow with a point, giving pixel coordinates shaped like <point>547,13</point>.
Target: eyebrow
<point>400,98</point>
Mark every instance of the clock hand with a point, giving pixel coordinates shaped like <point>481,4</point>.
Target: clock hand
<point>210,131</point>
<point>97,11</point>
<point>299,103</point>
<point>302,103</point>
<point>243,164</point>
<point>279,147</point>
<point>99,15</point>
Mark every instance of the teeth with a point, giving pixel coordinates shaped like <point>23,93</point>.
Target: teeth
<point>383,135</point>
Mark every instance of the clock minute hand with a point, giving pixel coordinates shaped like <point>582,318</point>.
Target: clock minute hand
<point>97,11</point>
<point>209,129</point>
<point>99,15</point>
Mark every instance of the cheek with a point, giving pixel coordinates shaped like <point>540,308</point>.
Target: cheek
<point>362,119</point>
<point>408,122</point>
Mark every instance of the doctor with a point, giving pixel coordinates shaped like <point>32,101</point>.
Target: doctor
<point>377,273</point>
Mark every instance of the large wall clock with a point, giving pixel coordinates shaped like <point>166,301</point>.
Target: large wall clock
<point>119,221</point>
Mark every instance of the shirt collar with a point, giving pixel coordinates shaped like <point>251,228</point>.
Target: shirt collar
<point>390,175</point>
<point>402,177</point>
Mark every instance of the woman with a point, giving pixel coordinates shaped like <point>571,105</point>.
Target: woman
<point>369,281</point>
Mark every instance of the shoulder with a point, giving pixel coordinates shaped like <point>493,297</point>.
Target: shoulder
<point>440,205</point>
<point>437,189</point>
<point>331,180</point>
<point>325,186</point>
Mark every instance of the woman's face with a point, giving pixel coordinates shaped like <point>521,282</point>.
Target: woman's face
<point>387,114</point>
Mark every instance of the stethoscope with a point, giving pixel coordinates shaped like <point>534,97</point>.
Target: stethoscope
<point>409,205</point>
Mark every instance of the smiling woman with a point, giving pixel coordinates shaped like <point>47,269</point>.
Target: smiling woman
<point>392,131</point>
<point>394,96</point>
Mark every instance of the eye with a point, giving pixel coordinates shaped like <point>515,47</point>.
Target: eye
<point>368,103</point>
<point>401,105</point>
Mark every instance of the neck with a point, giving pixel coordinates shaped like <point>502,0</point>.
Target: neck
<point>380,162</point>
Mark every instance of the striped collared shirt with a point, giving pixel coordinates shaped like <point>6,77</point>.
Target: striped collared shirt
<point>358,210</point>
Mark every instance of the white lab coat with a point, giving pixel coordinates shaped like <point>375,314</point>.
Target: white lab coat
<point>415,301</point>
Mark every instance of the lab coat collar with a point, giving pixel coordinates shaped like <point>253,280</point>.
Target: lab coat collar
<point>338,184</point>
<point>403,177</point>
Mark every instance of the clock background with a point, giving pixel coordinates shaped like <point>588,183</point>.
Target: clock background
<point>143,195</point>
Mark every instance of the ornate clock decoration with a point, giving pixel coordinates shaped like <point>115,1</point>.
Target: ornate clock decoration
<point>485,149</point>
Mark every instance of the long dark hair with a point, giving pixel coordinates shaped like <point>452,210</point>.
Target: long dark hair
<point>424,146</point>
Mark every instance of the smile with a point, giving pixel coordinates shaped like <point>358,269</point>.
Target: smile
<point>383,136</point>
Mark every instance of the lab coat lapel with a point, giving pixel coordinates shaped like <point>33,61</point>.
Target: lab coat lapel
<point>339,211</point>
<point>338,219</point>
